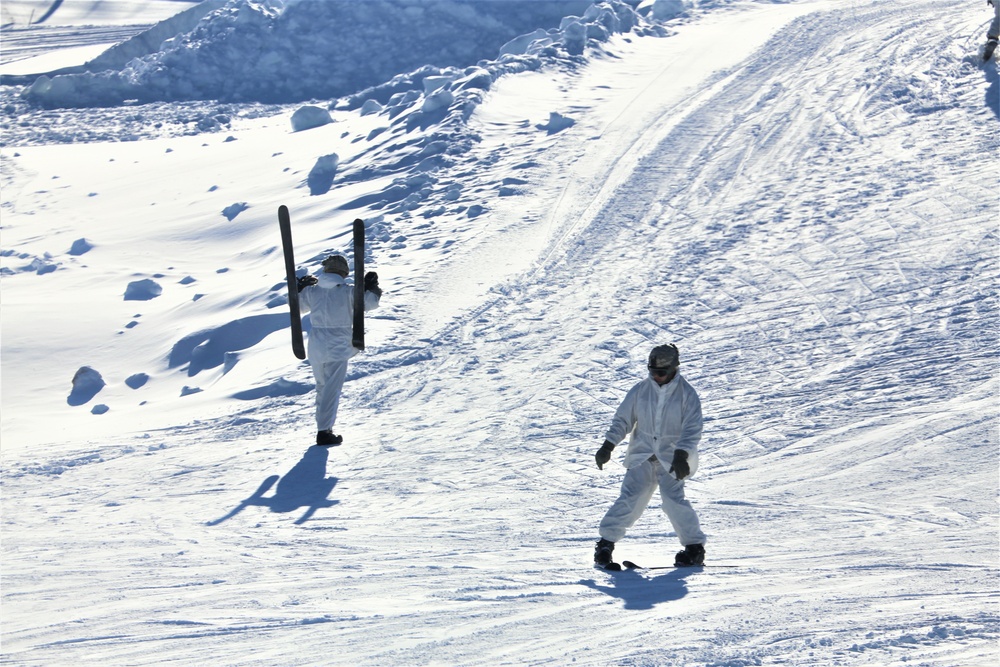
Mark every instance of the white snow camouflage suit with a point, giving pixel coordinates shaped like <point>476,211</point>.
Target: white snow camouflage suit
<point>660,419</point>
<point>331,302</point>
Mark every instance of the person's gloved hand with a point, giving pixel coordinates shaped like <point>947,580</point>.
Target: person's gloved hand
<point>603,454</point>
<point>306,281</point>
<point>371,283</point>
<point>680,466</point>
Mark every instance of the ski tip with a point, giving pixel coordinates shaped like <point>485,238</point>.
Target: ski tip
<point>630,565</point>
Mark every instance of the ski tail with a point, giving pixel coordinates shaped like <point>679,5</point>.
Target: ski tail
<point>285,224</point>
<point>358,330</point>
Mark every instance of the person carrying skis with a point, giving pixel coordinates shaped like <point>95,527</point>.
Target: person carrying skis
<point>331,301</point>
<point>994,32</point>
<point>663,415</point>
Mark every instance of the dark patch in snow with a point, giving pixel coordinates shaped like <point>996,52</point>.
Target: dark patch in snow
<point>234,210</point>
<point>280,387</point>
<point>207,349</point>
<point>557,123</point>
<point>321,176</point>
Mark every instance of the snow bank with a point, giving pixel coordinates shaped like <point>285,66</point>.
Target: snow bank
<point>273,52</point>
<point>150,41</point>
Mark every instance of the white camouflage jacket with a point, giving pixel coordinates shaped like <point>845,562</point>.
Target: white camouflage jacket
<point>659,420</point>
<point>331,302</point>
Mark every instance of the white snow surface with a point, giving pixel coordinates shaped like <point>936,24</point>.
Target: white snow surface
<point>802,195</point>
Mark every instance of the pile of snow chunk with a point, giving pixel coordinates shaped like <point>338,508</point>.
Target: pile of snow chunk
<point>282,52</point>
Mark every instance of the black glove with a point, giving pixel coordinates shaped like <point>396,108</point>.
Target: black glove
<point>680,466</point>
<point>603,454</point>
<point>371,283</point>
<point>306,281</point>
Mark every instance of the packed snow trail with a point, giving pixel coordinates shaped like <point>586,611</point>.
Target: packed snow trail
<point>818,236</point>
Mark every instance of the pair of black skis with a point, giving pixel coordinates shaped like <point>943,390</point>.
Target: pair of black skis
<point>629,565</point>
<point>358,329</point>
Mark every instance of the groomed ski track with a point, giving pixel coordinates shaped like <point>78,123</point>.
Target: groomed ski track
<point>815,227</point>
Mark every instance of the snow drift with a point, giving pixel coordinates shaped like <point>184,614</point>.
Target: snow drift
<point>308,49</point>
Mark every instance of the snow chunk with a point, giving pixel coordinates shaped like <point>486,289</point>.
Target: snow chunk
<point>308,117</point>
<point>80,247</point>
<point>136,380</point>
<point>370,107</point>
<point>87,382</point>
<point>441,99</point>
<point>476,78</point>
<point>142,290</point>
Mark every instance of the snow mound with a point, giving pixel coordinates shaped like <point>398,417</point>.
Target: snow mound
<point>274,52</point>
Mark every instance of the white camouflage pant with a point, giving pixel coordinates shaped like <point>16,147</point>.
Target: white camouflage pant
<point>637,489</point>
<point>329,383</point>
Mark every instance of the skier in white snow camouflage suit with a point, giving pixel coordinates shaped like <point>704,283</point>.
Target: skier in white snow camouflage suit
<point>663,415</point>
<point>330,299</point>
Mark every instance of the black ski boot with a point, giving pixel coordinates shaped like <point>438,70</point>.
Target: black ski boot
<point>692,556</point>
<point>991,46</point>
<point>602,552</point>
<point>327,438</point>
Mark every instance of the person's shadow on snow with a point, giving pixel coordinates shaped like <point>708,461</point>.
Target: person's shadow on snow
<point>993,91</point>
<point>305,485</point>
<point>639,591</point>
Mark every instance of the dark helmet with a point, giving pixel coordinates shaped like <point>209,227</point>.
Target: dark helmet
<point>336,264</point>
<point>664,357</point>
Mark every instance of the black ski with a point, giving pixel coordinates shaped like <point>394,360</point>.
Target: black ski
<point>285,223</point>
<point>358,338</point>
<point>629,565</point>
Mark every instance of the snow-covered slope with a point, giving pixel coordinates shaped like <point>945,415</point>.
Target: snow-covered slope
<point>809,213</point>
